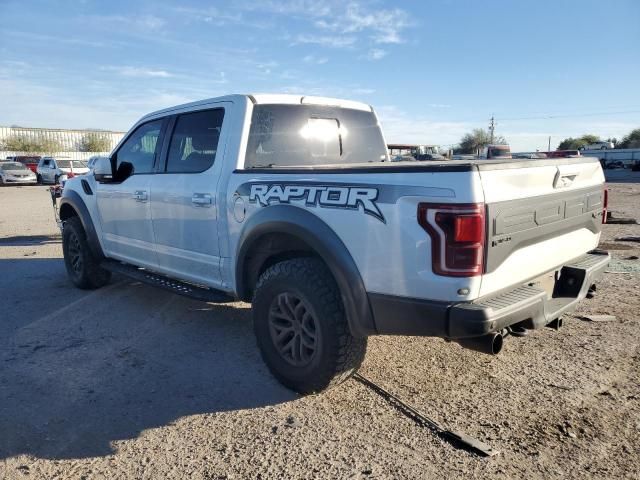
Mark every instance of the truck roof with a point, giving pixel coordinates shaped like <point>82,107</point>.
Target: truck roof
<point>269,98</point>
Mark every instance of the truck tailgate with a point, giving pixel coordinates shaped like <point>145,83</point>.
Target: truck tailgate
<point>540,215</point>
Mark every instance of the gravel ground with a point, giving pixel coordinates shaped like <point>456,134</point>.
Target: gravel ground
<point>133,382</point>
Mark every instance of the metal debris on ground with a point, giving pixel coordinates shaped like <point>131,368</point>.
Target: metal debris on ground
<point>628,239</point>
<point>598,318</point>
<point>620,220</point>
<point>457,439</point>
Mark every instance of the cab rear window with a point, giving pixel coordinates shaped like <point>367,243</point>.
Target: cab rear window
<point>301,135</point>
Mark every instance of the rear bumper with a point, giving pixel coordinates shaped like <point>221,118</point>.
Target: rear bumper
<point>527,305</point>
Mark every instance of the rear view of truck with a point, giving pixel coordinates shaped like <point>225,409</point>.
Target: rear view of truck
<point>470,251</point>
<point>532,242</point>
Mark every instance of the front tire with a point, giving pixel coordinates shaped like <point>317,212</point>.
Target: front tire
<point>82,267</point>
<point>301,327</point>
<point>39,179</point>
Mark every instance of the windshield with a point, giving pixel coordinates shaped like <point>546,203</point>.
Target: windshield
<point>295,135</point>
<point>67,164</point>
<point>13,166</point>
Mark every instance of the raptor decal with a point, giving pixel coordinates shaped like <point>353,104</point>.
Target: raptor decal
<point>324,196</point>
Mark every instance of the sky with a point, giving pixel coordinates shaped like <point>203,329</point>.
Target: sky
<point>432,69</point>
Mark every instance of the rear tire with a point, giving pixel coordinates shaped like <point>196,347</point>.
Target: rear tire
<point>301,327</point>
<point>39,179</point>
<point>82,267</point>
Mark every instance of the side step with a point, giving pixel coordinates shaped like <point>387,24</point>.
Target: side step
<point>190,290</point>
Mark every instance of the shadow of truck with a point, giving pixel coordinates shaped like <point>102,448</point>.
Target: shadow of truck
<point>113,362</point>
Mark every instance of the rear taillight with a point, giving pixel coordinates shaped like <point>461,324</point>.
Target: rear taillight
<point>457,234</point>
<point>605,204</point>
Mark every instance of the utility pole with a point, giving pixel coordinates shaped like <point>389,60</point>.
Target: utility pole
<point>492,127</point>
<point>549,148</point>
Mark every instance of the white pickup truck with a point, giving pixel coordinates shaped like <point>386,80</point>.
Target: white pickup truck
<point>291,203</point>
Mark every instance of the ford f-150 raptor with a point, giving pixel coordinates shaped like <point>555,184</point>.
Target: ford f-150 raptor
<point>291,203</point>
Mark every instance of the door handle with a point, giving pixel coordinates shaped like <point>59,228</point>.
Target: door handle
<point>201,200</point>
<point>140,196</point>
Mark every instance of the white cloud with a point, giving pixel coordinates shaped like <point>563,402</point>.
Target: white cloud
<point>351,20</point>
<point>144,23</point>
<point>326,40</point>
<point>384,26</point>
<point>150,22</point>
<point>363,91</point>
<point>376,54</point>
<point>128,71</point>
<point>312,59</point>
<point>299,8</point>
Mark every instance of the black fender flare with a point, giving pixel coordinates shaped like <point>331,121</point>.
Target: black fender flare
<point>75,201</point>
<point>326,243</point>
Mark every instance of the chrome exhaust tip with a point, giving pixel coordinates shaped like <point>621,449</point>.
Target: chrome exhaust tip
<point>490,344</point>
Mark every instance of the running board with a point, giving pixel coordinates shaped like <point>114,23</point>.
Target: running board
<point>190,290</point>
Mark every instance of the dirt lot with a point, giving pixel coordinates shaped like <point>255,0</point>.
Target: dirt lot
<point>132,382</point>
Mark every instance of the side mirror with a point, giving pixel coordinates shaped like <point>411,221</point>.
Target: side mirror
<point>102,170</point>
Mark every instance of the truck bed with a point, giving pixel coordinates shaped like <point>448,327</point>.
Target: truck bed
<point>425,166</point>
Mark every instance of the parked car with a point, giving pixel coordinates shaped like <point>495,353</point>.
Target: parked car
<point>599,146</point>
<point>50,169</point>
<point>15,173</point>
<point>29,161</point>
<point>290,203</point>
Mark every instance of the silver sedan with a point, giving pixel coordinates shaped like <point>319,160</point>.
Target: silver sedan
<point>15,173</point>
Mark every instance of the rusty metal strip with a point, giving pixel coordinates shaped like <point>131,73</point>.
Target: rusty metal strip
<point>457,439</point>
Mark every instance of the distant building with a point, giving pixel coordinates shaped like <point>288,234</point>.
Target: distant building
<point>69,140</point>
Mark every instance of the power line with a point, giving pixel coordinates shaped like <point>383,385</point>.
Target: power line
<point>572,115</point>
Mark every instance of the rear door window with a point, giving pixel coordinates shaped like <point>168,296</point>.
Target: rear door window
<point>194,142</point>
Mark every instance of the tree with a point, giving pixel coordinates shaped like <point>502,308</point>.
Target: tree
<point>478,139</point>
<point>578,143</point>
<point>95,142</point>
<point>632,140</point>
<point>31,144</point>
